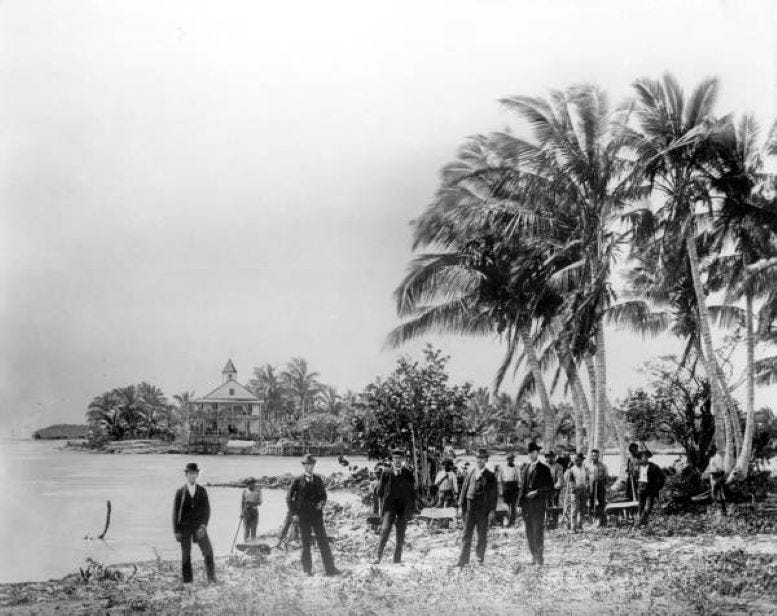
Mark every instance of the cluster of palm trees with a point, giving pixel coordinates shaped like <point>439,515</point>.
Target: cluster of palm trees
<point>524,235</point>
<point>295,401</point>
<point>135,411</point>
<point>507,420</point>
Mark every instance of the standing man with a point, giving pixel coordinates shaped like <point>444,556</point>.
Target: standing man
<point>252,498</point>
<point>447,485</point>
<point>650,480</point>
<point>536,485</point>
<point>510,476</point>
<point>306,499</point>
<point>478,506</point>
<point>716,473</point>
<point>191,513</point>
<point>597,488</point>
<point>576,479</point>
<point>557,475</point>
<point>397,493</point>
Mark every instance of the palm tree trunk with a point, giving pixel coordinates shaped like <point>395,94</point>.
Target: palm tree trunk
<point>601,390</point>
<point>743,462</point>
<point>708,355</point>
<point>539,383</point>
<point>731,408</point>
<point>580,402</point>
<point>591,429</point>
<point>620,433</point>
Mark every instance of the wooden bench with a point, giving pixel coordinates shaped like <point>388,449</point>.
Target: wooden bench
<point>621,510</point>
<point>440,517</point>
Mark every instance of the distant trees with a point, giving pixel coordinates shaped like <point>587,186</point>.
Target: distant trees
<point>134,411</point>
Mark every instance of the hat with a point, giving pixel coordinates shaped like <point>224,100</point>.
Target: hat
<point>645,452</point>
<point>482,453</point>
<point>447,461</point>
<point>633,447</point>
<point>510,456</point>
<point>308,459</point>
<point>251,481</point>
<point>579,456</point>
<point>192,467</point>
<point>549,454</point>
<point>398,452</point>
<point>534,447</point>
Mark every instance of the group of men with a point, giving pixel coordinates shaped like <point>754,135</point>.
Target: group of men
<point>532,487</point>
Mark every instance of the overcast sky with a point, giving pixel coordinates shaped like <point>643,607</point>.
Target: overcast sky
<point>185,182</point>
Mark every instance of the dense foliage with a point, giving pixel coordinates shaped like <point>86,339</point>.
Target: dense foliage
<point>415,408</point>
<point>134,411</point>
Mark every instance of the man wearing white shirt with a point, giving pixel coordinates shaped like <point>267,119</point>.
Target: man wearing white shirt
<point>447,484</point>
<point>716,473</point>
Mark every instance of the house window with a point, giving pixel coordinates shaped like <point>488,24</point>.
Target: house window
<point>231,392</point>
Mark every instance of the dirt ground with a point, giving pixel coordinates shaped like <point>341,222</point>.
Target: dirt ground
<point>711,566</point>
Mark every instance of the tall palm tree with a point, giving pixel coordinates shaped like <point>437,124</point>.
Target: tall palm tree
<point>302,384</point>
<point>183,402</point>
<point>671,145</point>
<point>746,222</point>
<point>579,175</point>
<point>469,286</point>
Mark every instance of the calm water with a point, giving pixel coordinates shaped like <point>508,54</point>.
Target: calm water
<point>52,498</point>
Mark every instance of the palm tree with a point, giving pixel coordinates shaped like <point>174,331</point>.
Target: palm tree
<point>301,384</point>
<point>671,147</point>
<point>579,176</point>
<point>269,387</point>
<point>104,417</point>
<point>482,415</point>
<point>747,222</point>
<point>183,402</point>
<point>331,402</point>
<point>466,288</point>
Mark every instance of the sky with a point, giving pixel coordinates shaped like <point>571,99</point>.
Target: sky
<point>187,182</point>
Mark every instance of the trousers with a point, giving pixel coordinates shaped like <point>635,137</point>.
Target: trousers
<point>577,499</point>
<point>534,518</point>
<point>510,497</point>
<point>396,515</point>
<point>476,517</point>
<point>310,523</point>
<point>597,499</point>
<point>646,502</point>
<point>250,522</point>
<point>187,535</point>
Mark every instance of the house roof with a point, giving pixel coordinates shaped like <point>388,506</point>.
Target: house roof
<point>222,394</point>
<point>230,367</point>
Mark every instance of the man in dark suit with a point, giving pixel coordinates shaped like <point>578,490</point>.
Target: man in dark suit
<point>650,480</point>
<point>536,485</point>
<point>191,513</point>
<point>396,492</point>
<point>305,500</point>
<point>477,500</point>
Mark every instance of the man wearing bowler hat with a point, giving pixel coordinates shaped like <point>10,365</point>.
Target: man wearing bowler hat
<point>536,485</point>
<point>191,513</point>
<point>478,506</point>
<point>396,492</point>
<point>650,480</point>
<point>305,500</point>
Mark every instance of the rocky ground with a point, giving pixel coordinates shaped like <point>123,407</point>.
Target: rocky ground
<point>696,564</point>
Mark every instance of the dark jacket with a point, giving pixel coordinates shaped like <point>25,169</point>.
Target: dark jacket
<point>190,513</point>
<point>394,489</point>
<point>655,480</point>
<point>303,498</point>
<point>485,490</point>
<point>540,480</point>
